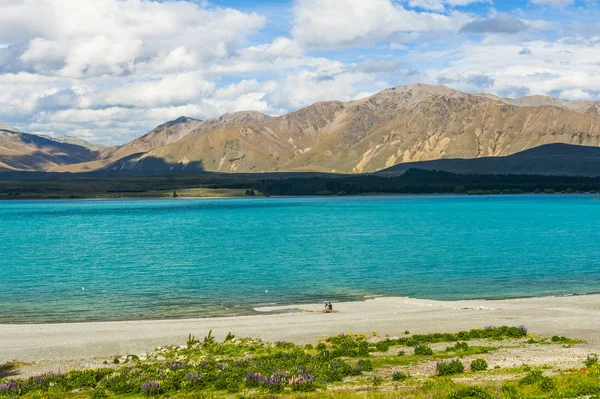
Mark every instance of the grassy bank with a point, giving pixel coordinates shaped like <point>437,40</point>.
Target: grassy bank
<point>449,366</point>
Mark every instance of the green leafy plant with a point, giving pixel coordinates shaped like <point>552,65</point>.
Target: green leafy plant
<point>591,360</point>
<point>192,341</point>
<point>209,339</point>
<point>229,337</point>
<point>479,365</point>
<point>459,346</point>
<point>449,368</point>
<point>400,375</point>
<point>377,380</point>
<point>423,350</point>
<point>533,377</point>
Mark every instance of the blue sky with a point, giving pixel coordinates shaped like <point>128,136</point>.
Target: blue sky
<point>110,70</point>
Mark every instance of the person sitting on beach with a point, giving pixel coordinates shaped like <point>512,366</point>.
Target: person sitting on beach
<point>326,308</point>
<point>330,307</point>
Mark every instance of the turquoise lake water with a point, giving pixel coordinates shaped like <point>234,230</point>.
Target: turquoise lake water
<point>142,259</point>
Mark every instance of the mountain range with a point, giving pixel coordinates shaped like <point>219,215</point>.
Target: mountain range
<point>396,128</point>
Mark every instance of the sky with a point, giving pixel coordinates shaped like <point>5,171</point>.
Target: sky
<point>108,71</point>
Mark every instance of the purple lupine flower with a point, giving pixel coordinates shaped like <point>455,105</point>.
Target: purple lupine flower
<point>177,366</point>
<point>271,381</point>
<point>489,327</point>
<point>150,387</point>
<point>253,379</point>
<point>204,364</point>
<point>522,328</point>
<point>8,387</point>
<point>39,380</point>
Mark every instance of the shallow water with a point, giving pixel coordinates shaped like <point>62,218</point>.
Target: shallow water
<point>133,259</point>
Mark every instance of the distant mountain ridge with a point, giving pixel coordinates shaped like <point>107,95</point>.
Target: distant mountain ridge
<point>399,125</point>
<point>549,159</point>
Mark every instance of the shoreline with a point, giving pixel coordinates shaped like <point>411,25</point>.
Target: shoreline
<point>295,307</point>
<point>48,347</point>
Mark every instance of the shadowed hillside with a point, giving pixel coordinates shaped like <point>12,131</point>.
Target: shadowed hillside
<point>551,159</point>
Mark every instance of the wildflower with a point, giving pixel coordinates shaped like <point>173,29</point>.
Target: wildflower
<point>523,328</point>
<point>177,366</point>
<point>151,388</point>
<point>8,387</point>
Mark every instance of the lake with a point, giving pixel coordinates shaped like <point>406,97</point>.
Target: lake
<point>65,261</point>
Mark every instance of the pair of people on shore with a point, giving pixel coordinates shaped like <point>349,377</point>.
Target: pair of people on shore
<point>328,307</point>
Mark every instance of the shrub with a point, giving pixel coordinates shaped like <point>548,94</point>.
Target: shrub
<point>459,346</point>
<point>479,365</point>
<point>401,353</point>
<point>490,332</point>
<point>449,368</point>
<point>209,339</point>
<point>400,375</point>
<point>229,337</point>
<point>548,384</point>
<point>591,361</point>
<point>471,393</point>
<point>192,341</point>
<point>365,365</point>
<point>423,350</point>
<point>533,377</point>
<point>377,381</point>
<point>383,346</point>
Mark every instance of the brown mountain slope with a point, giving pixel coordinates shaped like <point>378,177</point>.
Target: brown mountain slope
<point>405,124</point>
<point>29,152</point>
<point>164,134</point>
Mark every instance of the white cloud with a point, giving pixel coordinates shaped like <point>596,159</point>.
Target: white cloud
<point>92,38</point>
<point>440,5</point>
<point>335,24</point>
<point>548,67</point>
<point>553,3</point>
<point>575,94</point>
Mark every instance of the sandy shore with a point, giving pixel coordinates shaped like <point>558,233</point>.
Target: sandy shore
<point>51,346</point>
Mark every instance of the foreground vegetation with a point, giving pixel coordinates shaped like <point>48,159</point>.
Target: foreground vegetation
<point>57,186</point>
<point>344,366</point>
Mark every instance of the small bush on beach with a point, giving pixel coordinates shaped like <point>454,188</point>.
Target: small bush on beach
<point>479,365</point>
<point>399,376</point>
<point>459,346</point>
<point>383,346</point>
<point>591,360</point>
<point>533,377</point>
<point>548,384</point>
<point>365,365</point>
<point>377,380</point>
<point>489,332</point>
<point>192,341</point>
<point>348,345</point>
<point>449,368</point>
<point>423,350</point>
<point>229,337</point>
